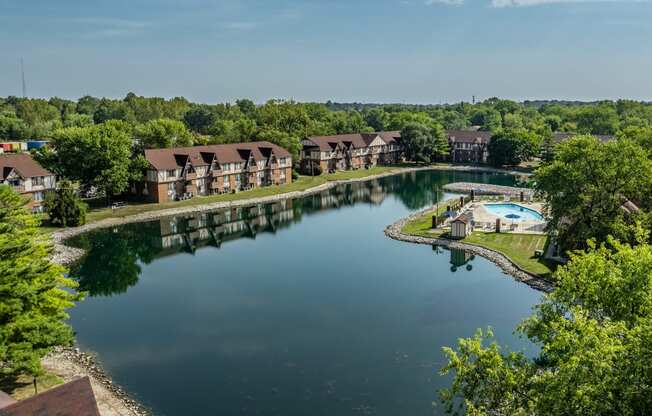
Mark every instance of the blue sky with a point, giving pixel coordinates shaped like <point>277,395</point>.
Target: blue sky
<point>416,51</point>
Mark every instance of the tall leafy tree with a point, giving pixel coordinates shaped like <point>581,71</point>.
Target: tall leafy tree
<point>34,292</point>
<point>440,146</point>
<point>586,185</point>
<point>594,332</point>
<point>98,155</point>
<point>419,142</point>
<point>162,133</point>
<point>377,119</point>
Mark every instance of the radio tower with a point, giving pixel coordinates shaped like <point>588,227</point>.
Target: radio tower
<point>22,73</point>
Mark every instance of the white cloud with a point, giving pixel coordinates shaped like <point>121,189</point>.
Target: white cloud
<point>100,27</point>
<point>447,2</point>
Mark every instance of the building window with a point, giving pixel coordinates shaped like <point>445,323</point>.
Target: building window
<point>171,188</point>
<point>172,173</point>
<point>37,181</point>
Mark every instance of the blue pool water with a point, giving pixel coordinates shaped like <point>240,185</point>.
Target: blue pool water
<point>504,210</point>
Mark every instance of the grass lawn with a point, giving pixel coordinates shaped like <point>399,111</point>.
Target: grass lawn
<point>23,387</point>
<point>421,226</point>
<point>301,184</point>
<point>518,247</point>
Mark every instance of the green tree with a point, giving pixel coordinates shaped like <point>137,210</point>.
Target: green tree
<point>586,185</point>
<point>594,332</point>
<point>601,119</point>
<point>34,292</point>
<point>511,147</point>
<point>162,133</point>
<point>98,155</point>
<point>419,142</point>
<point>247,107</point>
<point>377,119</point>
<point>64,207</point>
<point>199,119</point>
<point>441,147</point>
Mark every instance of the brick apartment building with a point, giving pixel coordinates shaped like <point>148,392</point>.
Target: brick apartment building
<point>206,170</point>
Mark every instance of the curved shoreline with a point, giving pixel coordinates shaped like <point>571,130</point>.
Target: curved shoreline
<point>84,363</point>
<point>394,232</point>
<point>65,254</point>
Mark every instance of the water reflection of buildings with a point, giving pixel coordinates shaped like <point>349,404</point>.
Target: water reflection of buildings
<point>213,228</point>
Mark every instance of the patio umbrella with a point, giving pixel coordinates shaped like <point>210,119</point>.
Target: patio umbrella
<point>512,217</point>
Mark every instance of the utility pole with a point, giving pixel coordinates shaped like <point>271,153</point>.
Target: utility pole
<point>473,99</point>
<point>22,73</point>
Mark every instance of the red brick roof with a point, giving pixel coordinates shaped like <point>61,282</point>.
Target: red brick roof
<point>75,398</point>
<point>21,163</point>
<point>468,136</point>
<point>357,140</point>
<point>173,158</point>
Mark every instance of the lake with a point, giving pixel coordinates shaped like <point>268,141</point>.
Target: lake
<point>293,308</point>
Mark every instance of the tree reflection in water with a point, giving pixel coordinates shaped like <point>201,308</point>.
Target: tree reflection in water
<point>113,256</point>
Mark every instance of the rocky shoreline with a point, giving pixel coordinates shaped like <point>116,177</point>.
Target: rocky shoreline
<point>69,363</point>
<point>506,265</point>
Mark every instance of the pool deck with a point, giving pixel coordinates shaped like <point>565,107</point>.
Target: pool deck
<point>486,221</point>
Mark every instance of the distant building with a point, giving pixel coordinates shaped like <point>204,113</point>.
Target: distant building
<point>75,398</point>
<point>468,146</point>
<point>350,151</point>
<point>205,170</point>
<point>27,177</point>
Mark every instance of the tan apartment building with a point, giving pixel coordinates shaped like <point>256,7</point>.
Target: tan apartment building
<point>185,172</point>
<point>350,151</point>
<point>27,177</point>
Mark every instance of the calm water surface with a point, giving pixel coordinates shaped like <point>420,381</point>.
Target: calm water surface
<point>296,308</point>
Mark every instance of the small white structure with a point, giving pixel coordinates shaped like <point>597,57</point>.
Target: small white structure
<point>461,227</point>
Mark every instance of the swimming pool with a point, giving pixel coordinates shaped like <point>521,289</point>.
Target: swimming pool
<point>514,212</point>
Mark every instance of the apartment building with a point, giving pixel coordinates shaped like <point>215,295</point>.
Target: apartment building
<point>468,146</point>
<point>27,177</point>
<point>179,173</point>
<point>350,151</point>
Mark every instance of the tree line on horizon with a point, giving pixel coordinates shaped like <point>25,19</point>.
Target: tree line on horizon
<point>99,142</point>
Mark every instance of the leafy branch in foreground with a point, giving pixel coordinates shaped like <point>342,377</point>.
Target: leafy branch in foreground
<point>595,337</point>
